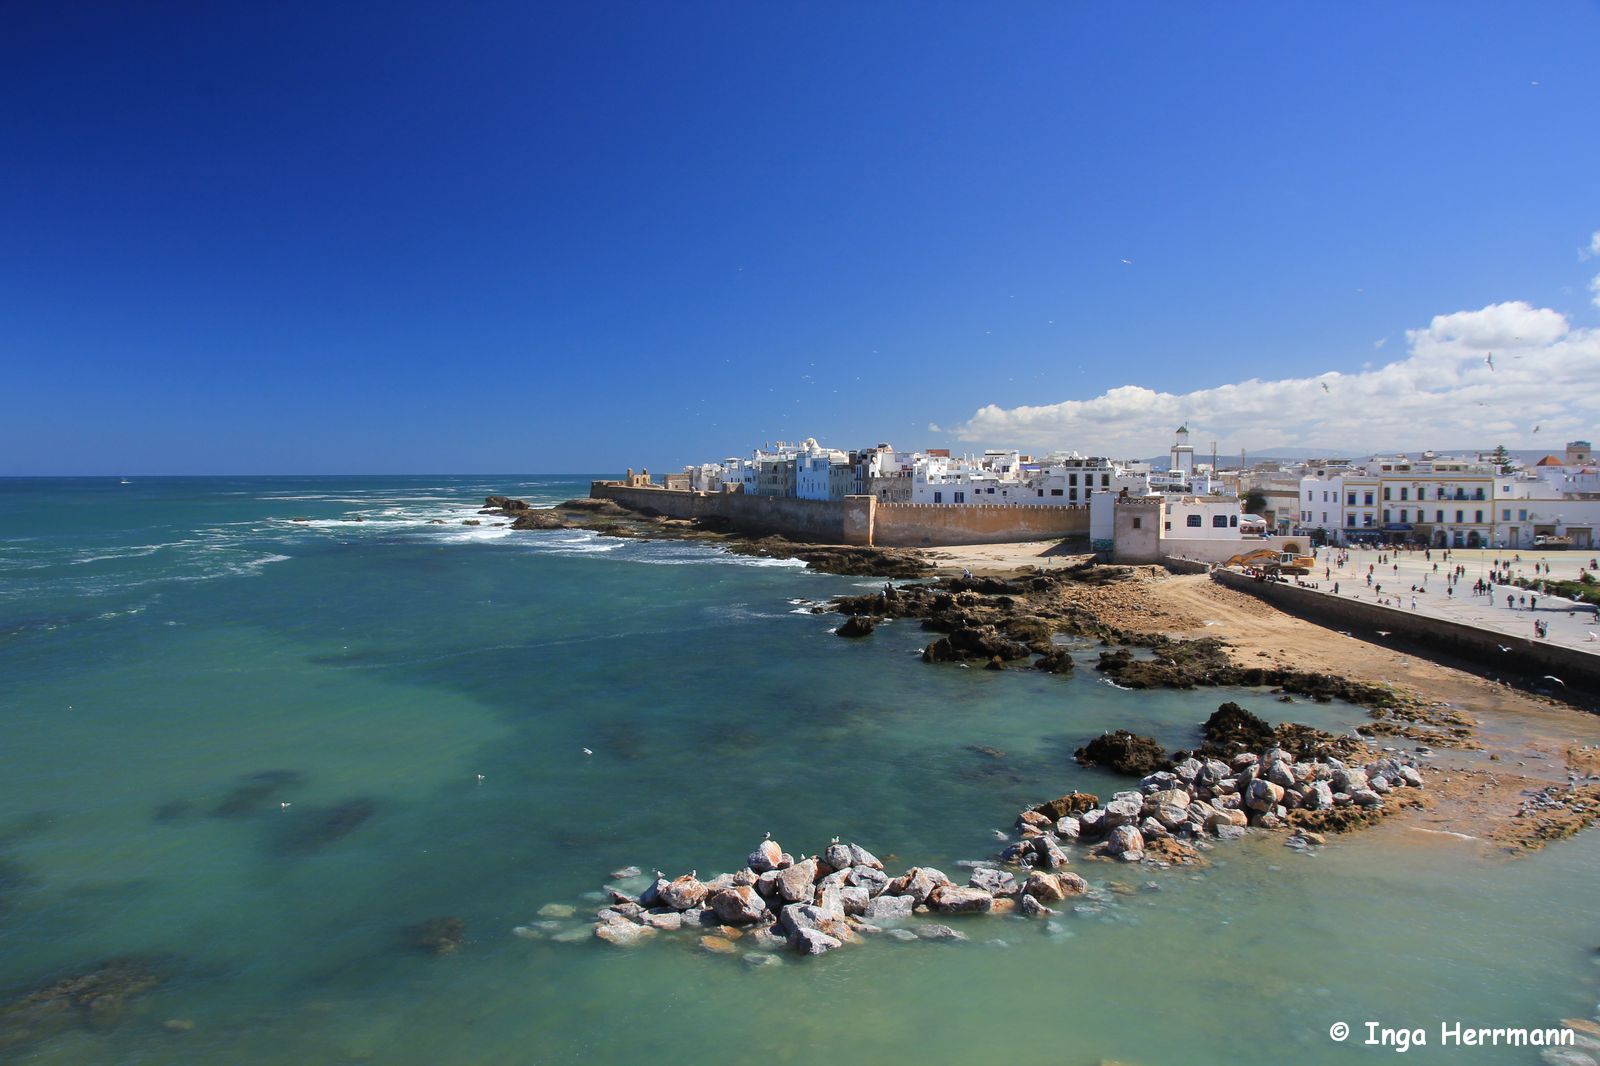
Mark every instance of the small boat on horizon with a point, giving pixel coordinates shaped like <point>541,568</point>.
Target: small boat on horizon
<point>125,481</point>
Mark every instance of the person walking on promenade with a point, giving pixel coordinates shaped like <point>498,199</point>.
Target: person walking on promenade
<point>1533,603</point>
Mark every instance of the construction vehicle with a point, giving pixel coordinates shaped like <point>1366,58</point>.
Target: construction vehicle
<point>1273,562</point>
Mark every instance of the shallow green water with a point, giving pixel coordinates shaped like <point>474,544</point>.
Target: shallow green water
<point>161,642</point>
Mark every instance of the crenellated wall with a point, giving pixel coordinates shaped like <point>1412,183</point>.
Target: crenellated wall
<point>857,519</point>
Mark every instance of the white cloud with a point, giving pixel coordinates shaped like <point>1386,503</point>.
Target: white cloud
<point>1594,243</point>
<point>1594,287</point>
<point>1442,393</point>
<point>1380,342</point>
<point>933,427</point>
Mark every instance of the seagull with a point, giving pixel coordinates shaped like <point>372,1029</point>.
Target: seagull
<point>480,777</point>
<point>999,834</point>
<point>835,840</point>
<point>1128,262</point>
<point>1324,386</point>
<point>1536,429</point>
<point>586,751</point>
<point>1502,647</point>
<point>1489,359</point>
<point>767,835</point>
<point>1557,680</point>
<point>1383,632</point>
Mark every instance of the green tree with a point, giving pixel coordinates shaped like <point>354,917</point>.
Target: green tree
<point>1255,502</point>
<point>1502,458</point>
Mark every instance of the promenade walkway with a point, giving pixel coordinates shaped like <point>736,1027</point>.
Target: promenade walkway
<point>1570,623</point>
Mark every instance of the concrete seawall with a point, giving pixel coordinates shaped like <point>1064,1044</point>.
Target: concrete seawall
<point>1580,670</point>
<point>857,519</point>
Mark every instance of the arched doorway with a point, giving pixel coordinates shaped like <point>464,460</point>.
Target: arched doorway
<point>1473,540</point>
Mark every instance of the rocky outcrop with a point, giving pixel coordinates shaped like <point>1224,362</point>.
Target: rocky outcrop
<point>858,625</point>
<point>1123,752</point>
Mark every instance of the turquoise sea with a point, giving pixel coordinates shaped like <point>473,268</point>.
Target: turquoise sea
<point>179,659</point>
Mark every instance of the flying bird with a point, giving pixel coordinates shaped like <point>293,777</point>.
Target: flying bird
<point>1502,647</point>
<point>1536,429</point>
<point>1557,680</point>
<point>1383,632</point>
<point>1128,262</point>
<point>1489,359</point>
<point>1324,386</point>
<point>586,751</point>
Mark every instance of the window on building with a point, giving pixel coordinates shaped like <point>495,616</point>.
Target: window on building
<point>1138,522</point>
<point>1350,499</point>
<point>1219,521</point>
<point>1438,516</point>
<point>1477,517</point>
<point>1366,520</point>
<point>938,497</point>
<point>1167,526</point>
<point>1405,515</point>
<point>1057,492</point>
<point>1522,516</point>
<point>1233,519</point>
<point>1041,492</point>
<point>1194,521</point>
<point>1405,493</point>
<point>1367,501</point>
<point>1105,481</point>
<point>961,497</point>
<point>1458,516</point>
<point>1349,519</point>
<point>1386,517</point>
<point>1505,515</point>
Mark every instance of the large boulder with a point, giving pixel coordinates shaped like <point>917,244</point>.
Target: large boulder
<point>995,882</point>
<point>766,857</point>
<point>842,856</point>
<point>623,934</point>
<point>1263,795</point>
<point>683,893</point>
<point>814,942</point>
<point>1124,809</point>
<point>1070,805</point>
<point>1125,842</point>
<point>1046,888</point>
<point>796,884</point>
<point>1124,752</point>
<point>889,908</point>
<point>918,883</point>
<point>739,905</point>
<point>954,899</point>
<point>857,625</point>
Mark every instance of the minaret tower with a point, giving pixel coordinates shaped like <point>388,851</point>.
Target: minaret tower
<point>1182,451</point>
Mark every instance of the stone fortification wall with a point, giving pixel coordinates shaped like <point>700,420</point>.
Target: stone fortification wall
<point>812,520</point>
<point>917,525</point>
<point>857,519</point>
<point>1462,642</point>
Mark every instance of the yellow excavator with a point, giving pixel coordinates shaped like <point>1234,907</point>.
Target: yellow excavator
<point>1274,562</point>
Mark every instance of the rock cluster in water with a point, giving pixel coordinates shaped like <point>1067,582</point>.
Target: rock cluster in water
<point>1210,798</point>
<point>813,905</point>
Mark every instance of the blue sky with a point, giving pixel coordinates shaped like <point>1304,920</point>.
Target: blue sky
<point>514,237</point>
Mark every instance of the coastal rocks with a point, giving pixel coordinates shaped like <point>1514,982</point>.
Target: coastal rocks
<point>795,882</point>
<point>1263,795</point>
<point>767,856</point>
<point>918,883</point>
<point>1232,729</point>
<point>953,899</point>
<point>739,905</point>
<point>1073,803</point>
<point>538,520</point>
<point>683,893</point>
<point>1124,752</point>
<point>974,642</point>
<point>1126,843</point>
<point>1055,662</point>
<point>849,856</point>
<point>93,998</point>
<point>888,908</point>
<point>859,625</point>
<point>623,934</point>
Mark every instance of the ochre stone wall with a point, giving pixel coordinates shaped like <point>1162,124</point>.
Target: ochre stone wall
<point>919,525</point>
<point>857,519</point>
